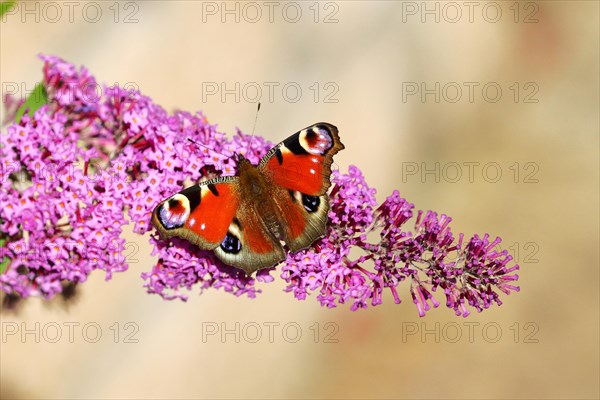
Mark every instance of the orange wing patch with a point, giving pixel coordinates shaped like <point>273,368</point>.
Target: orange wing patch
<point>255,237</point>
<point>303,173</point>
<point>295,221</point>
<point>211,218</point>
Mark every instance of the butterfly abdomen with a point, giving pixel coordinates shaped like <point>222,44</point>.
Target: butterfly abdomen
<point>259,194</point>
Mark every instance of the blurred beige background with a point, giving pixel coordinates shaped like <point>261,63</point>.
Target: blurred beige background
<point>542,343</point>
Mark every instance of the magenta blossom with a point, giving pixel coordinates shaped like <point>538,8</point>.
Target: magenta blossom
<point>96,158</point>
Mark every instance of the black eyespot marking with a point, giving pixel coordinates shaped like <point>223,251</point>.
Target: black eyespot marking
<point>213,189</point>
<point>173,203</point>
<point>279,156</point>
<point>310,203</point>
<point>231,244</point>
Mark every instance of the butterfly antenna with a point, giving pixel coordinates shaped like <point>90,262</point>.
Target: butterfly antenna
<point>254,127</point>
<point>206,147</point>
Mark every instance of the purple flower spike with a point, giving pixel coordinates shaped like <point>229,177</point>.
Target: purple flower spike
<point>87,163</point>
<point>428,256</point>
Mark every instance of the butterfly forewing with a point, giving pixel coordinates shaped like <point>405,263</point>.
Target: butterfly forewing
<point>300,167</point>
<point>201,213</point>
<point>303,161</point>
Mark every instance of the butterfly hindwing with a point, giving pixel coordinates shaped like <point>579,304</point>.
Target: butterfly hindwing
<point>201,213</point>
<point>305,218</point>
<point>249,244</point>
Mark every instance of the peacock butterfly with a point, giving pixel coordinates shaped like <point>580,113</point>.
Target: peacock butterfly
<point>244,218</point>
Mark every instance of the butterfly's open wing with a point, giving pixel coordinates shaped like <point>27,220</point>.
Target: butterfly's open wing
<point>300,169</point>
<point>213,217</point>
<point>303,161</point>
<point>201,213</point>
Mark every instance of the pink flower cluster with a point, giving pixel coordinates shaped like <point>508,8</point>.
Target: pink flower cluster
<point>96,158</point>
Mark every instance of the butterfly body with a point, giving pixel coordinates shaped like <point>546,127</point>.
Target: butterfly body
<point>244,218</point>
